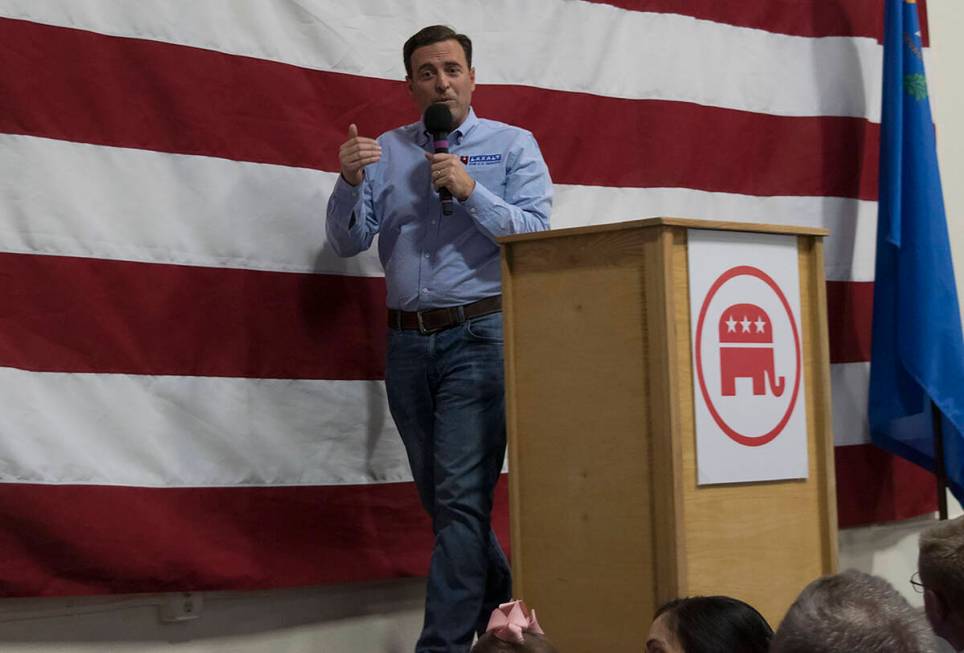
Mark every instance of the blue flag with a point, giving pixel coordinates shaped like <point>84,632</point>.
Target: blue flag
<point>918,352</point>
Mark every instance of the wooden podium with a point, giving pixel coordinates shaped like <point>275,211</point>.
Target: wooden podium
<point>607,519</point>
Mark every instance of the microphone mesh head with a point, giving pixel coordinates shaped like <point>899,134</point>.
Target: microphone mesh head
<point>438,119</point>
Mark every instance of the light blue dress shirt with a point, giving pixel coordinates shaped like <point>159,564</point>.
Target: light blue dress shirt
<point>433,260</point>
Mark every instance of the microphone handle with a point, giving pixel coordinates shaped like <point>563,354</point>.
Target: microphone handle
<point>441,146</point>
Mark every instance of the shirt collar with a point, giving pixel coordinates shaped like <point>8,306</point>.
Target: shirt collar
<point>470,122</point>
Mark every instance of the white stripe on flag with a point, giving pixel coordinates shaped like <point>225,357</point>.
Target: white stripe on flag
<point>848,253</point>
<point>849,398</point>
<point>74,199</point>
<point>542,44</point>
<point>176,431</point>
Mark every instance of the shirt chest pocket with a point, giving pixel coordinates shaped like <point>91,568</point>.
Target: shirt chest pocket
<point>492,176</point>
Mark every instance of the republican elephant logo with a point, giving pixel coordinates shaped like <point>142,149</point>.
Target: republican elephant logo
<point>747,353</point>
<point>746,350</point>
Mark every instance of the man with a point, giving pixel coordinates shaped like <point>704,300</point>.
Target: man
<point>941,567</point>
<point>444,371</point>
<point>849,612</point>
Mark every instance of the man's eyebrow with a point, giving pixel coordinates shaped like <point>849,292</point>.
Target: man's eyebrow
<point>451,63</point>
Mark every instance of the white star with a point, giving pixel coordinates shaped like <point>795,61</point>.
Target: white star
<point>745,323</point>
<point>731,325</point>
<point>759,325</point>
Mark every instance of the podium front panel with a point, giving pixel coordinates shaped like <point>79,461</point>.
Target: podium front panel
<point>608,521</point>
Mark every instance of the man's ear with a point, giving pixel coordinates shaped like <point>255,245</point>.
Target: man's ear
<point>936,608</point>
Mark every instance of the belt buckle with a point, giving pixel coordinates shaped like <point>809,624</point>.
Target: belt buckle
<point>421,325</point>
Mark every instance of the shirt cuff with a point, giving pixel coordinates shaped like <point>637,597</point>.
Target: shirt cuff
<point>481,205</point>
<point>345,191</point>
<point>346,202</point>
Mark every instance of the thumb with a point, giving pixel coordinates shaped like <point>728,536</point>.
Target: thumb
<point>352,130</point>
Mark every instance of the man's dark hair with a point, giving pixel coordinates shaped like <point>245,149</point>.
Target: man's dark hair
<point>717,624</point>
<point>434,34</point>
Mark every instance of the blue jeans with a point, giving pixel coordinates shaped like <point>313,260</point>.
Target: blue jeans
<point>446,394</point>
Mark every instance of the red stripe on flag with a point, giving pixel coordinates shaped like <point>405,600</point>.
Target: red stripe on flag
<point>65,314</point>
<point>72,540</point>
<point>662,144</point>
<point>68,314</point>
<point>876,486</point>
<point>850,312</point>
<point>925,36</point>
<point>80,86</point>
<point>809,18</point>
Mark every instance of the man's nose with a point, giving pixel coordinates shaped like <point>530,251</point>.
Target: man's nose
<point>441,83</point>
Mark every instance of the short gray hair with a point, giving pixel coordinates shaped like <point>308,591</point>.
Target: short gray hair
<point>852,612</point>
<point>941,561</point>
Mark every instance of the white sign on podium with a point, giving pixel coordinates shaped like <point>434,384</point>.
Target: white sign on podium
<point>751,422</point>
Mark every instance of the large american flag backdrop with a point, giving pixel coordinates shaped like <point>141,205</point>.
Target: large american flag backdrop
<point>192,381</point>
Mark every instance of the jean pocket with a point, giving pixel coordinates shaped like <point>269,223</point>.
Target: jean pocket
<point>487,328</point>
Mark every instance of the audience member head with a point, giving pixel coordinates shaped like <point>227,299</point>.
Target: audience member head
<point>708,624</point>
<point>848,612</point>
<point>513,627</point>
<point>941,569</point>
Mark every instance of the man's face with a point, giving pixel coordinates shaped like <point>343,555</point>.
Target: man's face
<point>440,73</point>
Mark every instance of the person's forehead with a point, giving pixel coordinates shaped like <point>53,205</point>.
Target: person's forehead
<point>449,51</point>
<point>660,623</point>
<point>661,632</point>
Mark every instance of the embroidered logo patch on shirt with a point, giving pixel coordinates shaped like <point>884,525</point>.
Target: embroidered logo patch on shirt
<point>481,159</point>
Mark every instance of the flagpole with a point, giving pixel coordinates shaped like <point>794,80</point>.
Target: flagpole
<point>940,471</point>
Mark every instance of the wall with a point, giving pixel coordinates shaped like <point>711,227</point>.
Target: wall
<point>387,616</point>
<point>946,18</point>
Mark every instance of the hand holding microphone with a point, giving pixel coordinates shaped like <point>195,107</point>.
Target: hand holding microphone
<point>448,174</point>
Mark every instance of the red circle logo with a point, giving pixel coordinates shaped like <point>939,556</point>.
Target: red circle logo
<point>747,351</point>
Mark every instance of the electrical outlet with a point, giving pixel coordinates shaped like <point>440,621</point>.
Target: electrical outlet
<point>184,606</point>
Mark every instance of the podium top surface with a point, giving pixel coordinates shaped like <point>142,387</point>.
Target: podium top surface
<point>687,223</point>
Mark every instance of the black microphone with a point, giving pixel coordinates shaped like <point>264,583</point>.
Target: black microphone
<point>438,122</point>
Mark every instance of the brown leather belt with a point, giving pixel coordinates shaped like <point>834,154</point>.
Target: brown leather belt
<point>438,319</point>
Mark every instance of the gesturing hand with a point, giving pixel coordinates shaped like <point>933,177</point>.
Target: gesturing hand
<point>356,153</point>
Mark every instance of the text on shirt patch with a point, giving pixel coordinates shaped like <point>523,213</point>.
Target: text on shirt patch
<point>481,159</point>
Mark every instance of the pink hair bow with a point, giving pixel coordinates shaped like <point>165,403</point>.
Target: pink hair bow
<point>511,620</point>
